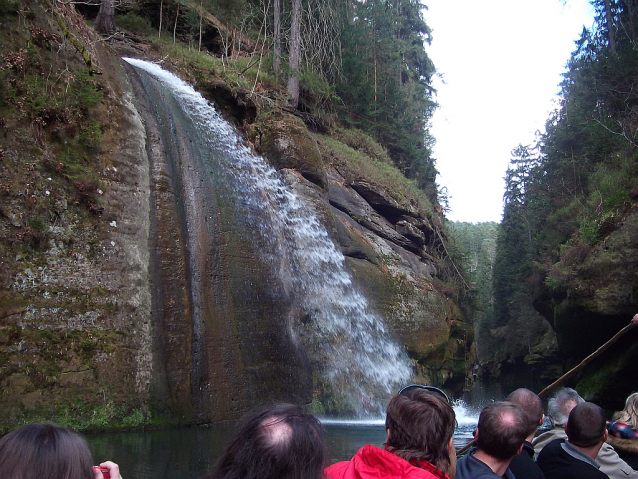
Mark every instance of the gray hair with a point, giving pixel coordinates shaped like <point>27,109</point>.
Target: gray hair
<point>561,405</point>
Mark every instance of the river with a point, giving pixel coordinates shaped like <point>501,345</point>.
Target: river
<point>189,453</point>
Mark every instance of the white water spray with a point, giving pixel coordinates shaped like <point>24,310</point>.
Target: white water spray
<point>349,341</point>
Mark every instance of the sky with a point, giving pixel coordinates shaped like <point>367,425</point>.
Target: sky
<point>500,65</point>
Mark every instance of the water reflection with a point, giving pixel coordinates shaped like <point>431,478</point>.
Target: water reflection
<point>171,453</point>
<point>190,453</point>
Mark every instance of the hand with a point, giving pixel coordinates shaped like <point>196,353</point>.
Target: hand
<point>114,471</point>
<point>634,320</point>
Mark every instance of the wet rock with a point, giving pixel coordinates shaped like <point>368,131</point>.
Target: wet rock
<point>235,104</point>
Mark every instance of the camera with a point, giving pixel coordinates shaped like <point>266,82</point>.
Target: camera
<point>104,471</point>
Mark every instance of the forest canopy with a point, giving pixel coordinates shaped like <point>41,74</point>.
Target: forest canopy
<point>363,63</point>
<point>575,185</point>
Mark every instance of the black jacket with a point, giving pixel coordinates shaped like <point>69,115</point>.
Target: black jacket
<point>557,463</point>
<point>523,465</point>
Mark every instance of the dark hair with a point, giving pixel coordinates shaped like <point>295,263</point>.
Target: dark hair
<point>531,405</point>
<point>275,442</point>
<point>502,429</point>
<point>407,391</point>
<point>421,425</point>
<point>42,450</point>
<point>586,425</point>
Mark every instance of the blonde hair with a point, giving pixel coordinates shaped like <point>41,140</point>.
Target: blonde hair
<point>629,415</point>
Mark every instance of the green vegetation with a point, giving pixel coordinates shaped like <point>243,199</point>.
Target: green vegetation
<point>473,248</point>
<point>367,83</point>
<point>375,169</point>
<point>566,193</point>
<point>136,23</point>
<point>8,7</point>
<point>363,66</point>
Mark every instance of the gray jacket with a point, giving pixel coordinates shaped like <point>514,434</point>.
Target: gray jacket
<point>610,463</point>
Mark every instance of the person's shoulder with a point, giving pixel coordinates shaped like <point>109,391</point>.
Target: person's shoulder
<point>552,446</point>
<point>337,470</point>
<point>619,429</point>
<point>542,440</point>
<point>468,467</point>
<point>550,455</point>
<point>340,469</point>
<point>524,467</point>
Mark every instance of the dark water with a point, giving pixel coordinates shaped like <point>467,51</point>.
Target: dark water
<point>190,453</point>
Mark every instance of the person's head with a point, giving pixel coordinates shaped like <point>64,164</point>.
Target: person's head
<point>275,442</point>
<point>40,450</point>
<point>420,425</point>
<point>502,429</point>
<point>586,425</point>
<point>531,405</point>
<point>413,388</point>
<point>559,406</point>
<point>629,415</point>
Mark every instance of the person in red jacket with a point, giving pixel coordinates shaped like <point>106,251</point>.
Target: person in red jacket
<point>419,445</point>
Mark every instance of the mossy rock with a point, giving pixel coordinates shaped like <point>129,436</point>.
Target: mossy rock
<point>610,378</point>
<point>286,143</point>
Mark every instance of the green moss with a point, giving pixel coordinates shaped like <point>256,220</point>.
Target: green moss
<point>86,92</point>
<point>91,134</point>
<point>595,383</point>
<point>375,170</point>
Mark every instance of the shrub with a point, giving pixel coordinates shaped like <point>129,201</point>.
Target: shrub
<point>7,7</point>
<point>135,23</point>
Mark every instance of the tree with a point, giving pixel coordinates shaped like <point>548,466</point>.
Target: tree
<point>105,21</point>
<point>295,53</point>
<point>276,54</point>
<point>388,80</point>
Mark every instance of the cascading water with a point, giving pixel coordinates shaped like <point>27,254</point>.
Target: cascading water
<point>346,341</point>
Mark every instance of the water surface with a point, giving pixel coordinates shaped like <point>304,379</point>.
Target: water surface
<point>189,453</point>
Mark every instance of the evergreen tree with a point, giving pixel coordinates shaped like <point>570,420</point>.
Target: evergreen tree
<point>387,82</point>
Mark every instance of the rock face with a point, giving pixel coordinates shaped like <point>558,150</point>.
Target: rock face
<point>75,306</point>
<point>593,296</point>
<point>125,311</point>
<point>390,248</point>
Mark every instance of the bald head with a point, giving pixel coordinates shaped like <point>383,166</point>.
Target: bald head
<point>276,432</point>
<point>502,429</point>
<point>531,405</point>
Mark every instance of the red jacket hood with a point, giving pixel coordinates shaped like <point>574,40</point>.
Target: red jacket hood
<point>374,463</point>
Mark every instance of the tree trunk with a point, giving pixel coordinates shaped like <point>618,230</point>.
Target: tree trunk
<point>159,31</point>
<point>105,21</point>
<point>632,24</point>
<point>610,26</point>
<point>295,53</point>
<point>201,14</point>
<point>276,55</point>
<point>175,26</point>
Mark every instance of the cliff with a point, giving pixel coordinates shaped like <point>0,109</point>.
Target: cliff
<point>96,309</point>
<point>591,295</point>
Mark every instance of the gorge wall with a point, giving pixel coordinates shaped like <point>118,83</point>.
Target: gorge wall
<point>100,324</point>
<point>591,296</point>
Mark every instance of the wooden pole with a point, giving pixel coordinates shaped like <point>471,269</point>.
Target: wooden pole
<point>587,360</point>
<point>571,372</point>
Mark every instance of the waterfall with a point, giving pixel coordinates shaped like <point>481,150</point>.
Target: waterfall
<point>347,342</point>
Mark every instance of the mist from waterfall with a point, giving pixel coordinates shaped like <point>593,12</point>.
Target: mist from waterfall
<point>349,344</point>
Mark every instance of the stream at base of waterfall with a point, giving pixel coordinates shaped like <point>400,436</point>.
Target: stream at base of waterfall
<point>189,453</point>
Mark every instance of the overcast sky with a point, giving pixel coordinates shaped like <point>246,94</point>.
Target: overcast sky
<point>501,63</point>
